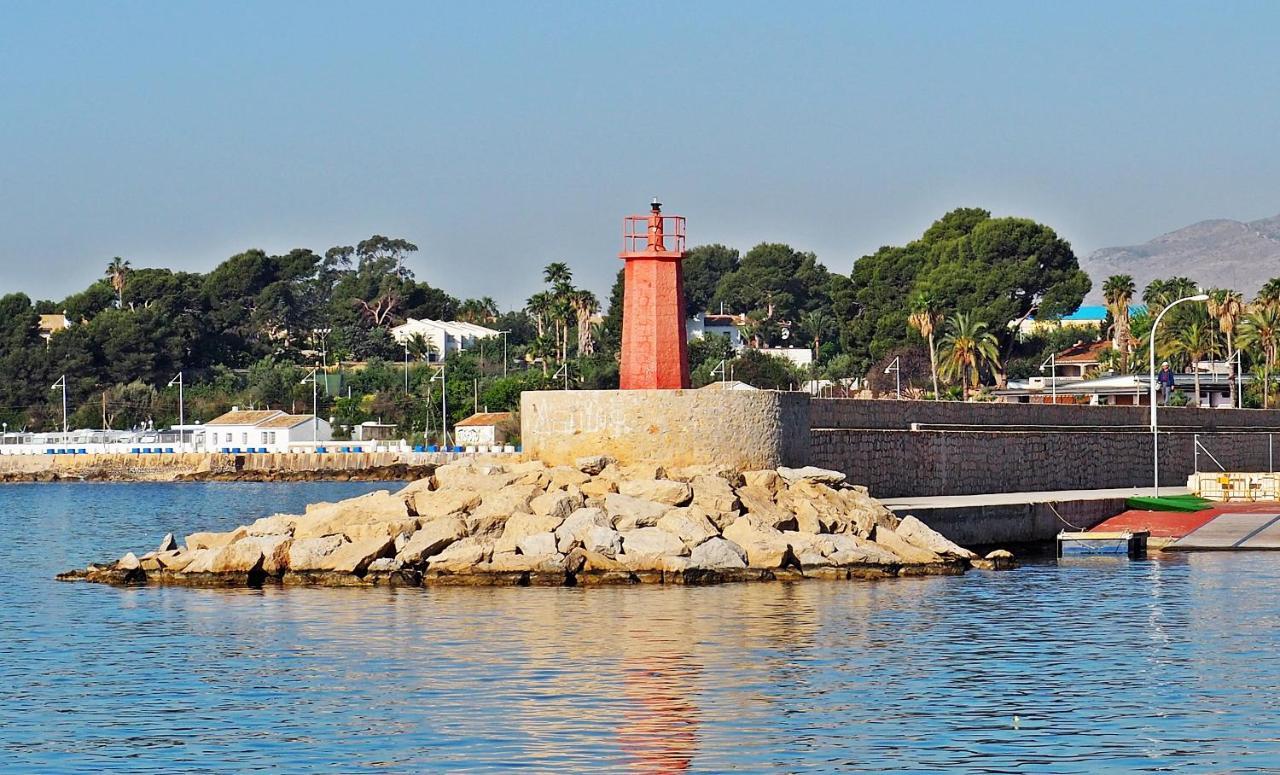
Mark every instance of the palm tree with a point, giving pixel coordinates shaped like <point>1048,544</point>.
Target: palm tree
<point>967,347</point>
<point>539,308</point>
<point>420,347</point>
<point>1117,292</point>
<point>1228,307</point>
<point>1261,329</point>
<point>1269,294</point>
<point>926,317</point>
<point>489,308</point>
<point>1194,340</point>
<point>815,324</point>
<point>557,273</point>
<point>584,304</point>
<point>118,271</point>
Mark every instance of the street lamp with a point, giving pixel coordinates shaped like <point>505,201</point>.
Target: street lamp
<point>504,352</point>
<point>1151,347</point>
<point>315,406</point>
<point>182,417</point>
<point>1052,363</point>
<point>62,383</point>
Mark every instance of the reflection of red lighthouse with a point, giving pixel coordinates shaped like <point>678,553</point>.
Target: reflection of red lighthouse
<point>654,351</point>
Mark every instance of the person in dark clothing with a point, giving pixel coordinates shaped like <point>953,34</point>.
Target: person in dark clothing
<point>1165,378</point>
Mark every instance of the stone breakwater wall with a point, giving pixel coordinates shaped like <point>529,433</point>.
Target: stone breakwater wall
<point>594,522</point>
<point>741,429</point>
<point>196,466</point>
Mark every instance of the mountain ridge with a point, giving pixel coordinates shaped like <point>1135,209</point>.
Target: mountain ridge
<point>1217,253</point>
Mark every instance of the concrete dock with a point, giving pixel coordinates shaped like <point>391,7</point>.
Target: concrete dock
<point>1019,517</point>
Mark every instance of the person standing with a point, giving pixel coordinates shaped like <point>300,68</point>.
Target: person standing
<point>1165,378</point>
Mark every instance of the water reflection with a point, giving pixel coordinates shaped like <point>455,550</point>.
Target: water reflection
<point>1150,665</point>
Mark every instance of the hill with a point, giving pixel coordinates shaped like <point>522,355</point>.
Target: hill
<point>1219,253</point>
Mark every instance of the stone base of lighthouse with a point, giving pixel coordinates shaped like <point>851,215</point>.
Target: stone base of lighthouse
<point>654,345</point>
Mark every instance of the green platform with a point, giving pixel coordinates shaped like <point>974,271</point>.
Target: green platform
<point>1169,503</point>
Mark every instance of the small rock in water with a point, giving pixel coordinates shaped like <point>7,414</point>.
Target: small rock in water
<point>167,544</point>
<point>128,562</point>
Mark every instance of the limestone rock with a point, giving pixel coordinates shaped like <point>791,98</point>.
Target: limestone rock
<point>592,465</point>
<point>371,529</point>
<point>690,524</point>
<point>598,488</point>
<point>507,562</point>
<point>242,557</point>
<point>919,534</point>
<point>641,471</point>
<point>758,501</point>
<point>557,504</point>
<point>431,504</point>
<point>274,549</point>
<point>603,540</point>
<point>277,524</point>
<point>537,544</point>
<point>176,560</point>
<point>629,513</point>
<point>718,554</point>
<point>809,542</point>
<point>354,557</point>
<point>331,518</point>
<point>497,507</point>
<point>461,556</point>
<point>521,525</point>
<point>167,544</point>
<point>854,550</point>
<point>214,540</point>
<point>811,474</point>
<point>910,553</point>
<point>765,546</point>
<point>475,478</point>
<point>128,562</point>
<point>714,494</point>
<point>430,539</point>
<point>310,552</point>
<point>690,473</point>
<point>767,478</point>
<point>666,491</point>
<point>722,519</point>
<point>1000,559</point>
<point>652,542</point>
<point>587,560</point>
<point>562,477</point>
<point>385,565</point>
<point>576,525</point>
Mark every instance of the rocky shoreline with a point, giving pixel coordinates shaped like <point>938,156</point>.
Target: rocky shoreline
<point>486,522</point>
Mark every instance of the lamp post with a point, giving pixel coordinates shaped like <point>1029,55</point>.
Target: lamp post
<point>406,368</point>
<point>182,417</point>
<point>504,352</point>
<point>1052,363</point>
<point>62,383</point>
<point>444,406</point>
<point>315,405</point>
<point>1151,347</point>
<point>896,368</point>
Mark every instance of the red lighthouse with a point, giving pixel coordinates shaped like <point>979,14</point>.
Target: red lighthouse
<point>655,354</point>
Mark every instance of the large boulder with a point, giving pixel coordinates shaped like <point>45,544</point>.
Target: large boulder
<point>854,550</point>
<point>765,546</point>
<point>758,501</point>
<point>563,477</point>
<point>652,542</point>
<point>666,491</point>
<point>276,524</point>
<point>690,524</point>
<point>714,493</point>
<point>602,540</point>
<point>718,554</point>
<point>474,477</point>
<point>430,539</point>
<point>354,557</point>
<point>521,525</point>
<point>597,489</point>
<point>592,465</point>
<point>462,556</point>
<point>576,525</point>
<point>310,552</point>
<point>919,534</point>
<point>371,529</point>
<point>811,474</point>
<point>430,504</point>
<point>910,553</point>
<point>497,507</point>
<point>557,503</point>
<point>167,544</point>
<point>767,478</point>
<point>537,544</point>
<point>214,540</point>
<point>629,513</point>
<point>507,562</point>
<point>331,518</point>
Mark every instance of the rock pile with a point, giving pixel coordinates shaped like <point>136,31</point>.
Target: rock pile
<point>484,522</point>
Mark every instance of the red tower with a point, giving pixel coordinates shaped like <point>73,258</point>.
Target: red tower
<point>655,353</point>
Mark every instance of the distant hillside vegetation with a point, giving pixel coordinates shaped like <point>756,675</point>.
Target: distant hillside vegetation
<point>1218,253</point>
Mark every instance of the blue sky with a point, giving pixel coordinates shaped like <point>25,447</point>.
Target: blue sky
<point>502,136</point>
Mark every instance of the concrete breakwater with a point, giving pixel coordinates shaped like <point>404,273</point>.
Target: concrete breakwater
<point>211,466</point>
<point>595,522</point>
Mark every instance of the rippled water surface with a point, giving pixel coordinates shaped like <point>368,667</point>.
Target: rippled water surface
<point>1158,665</point>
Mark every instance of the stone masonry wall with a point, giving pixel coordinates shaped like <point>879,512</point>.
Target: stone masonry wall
<point>749,429</point>
<point>894,463</point>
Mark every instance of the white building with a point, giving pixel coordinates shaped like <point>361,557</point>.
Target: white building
<point>484,429</point>
<point>445,337</point>
<point>799,356</point>
<point>705,323</point>
<point>260,429</point>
